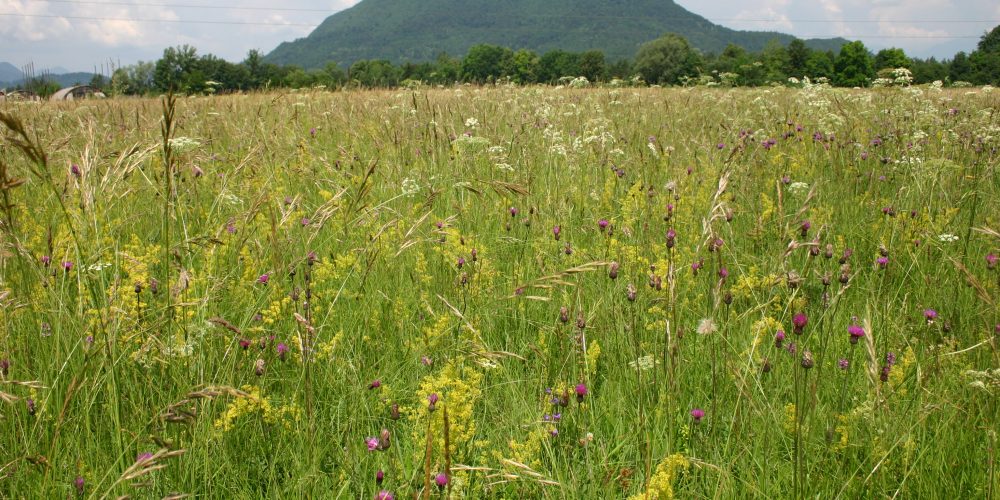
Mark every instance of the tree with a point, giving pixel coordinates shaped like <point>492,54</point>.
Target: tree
<point>556,64</point>
<point>592,65</point>
<point>853,66</point>
<point>666,60</point>
<point>486,62</point>
<point>174,68</point>
<point>891,59</point>
<point>798,58</point>
<point>775,59</point>
<point>524,66</point>
<point>374,73</point>
<point>985,61</point>
<point>960,69</point>
<point>820,64</point>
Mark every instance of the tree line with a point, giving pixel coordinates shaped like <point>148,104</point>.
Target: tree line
<point>668,60</point>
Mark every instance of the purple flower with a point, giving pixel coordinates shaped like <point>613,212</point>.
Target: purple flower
<point>603,224</point>
<point>991,261</point>
<point>695,266</point>
<point>142,457</point>
<point>375,384</point>
<point>581,391</point>
<point>779,338</point>
<point>613,270</point>
<point>441,480</point>
<point>882,262</point>
<point>805,228</point>
<point>282,350</point>
<point>723,272</point>
<point>372,443</point>
<point>671,236</point>
<point>432,400</point>
<point>75,170</point>
<point>46,260</point>
<point>244,344</point>
<point>312,131</point>
<point>4,367</point>
<point>856,333</point>
<point>460,262</point>
<point>556,231</point>
<point>263,279</point>
<point>379,477</point>
<point>720,145</point>
<point>799,322</point>
<point>843,363</point>
<point>304,221</point>
<point>384,495</point>
<point>67,266</point>
<point>697,414</point>
<point>513,211</point>
<point>930,315</point>
<point>79,484</point>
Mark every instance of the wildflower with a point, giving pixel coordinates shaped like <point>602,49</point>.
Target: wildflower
<point>715,244</point>
<point>720,145</point>
<point>568,250</point>
<point>856,333</point>
<point>513,211</point>
<point>613,270</point>
<point>441,480</point>
<point>695,266</point>
<point>67,266</point>
<point>847,255</point>
<point>244,344</point>
<point>46,260</point>
<point>882,262</point>
<point>372,443</point>
<point>379,477</point>
<point>432,400</point>
<point>263,279</point>
<point>426,361</point>
<point>384,495</point>
<point>304,221</point>
<point>375,384</point>
<point>79,484</point>
<point>282,350</point>
<point>706,327</point>
<point>991,261</point>
<point>142,457</point>
<point>394,411</point>
<point>603,224</point>
<point>671,236</point>
<point>4,367</point>
<point>563,314</point>
<point>554,432</point>
<point>779,338</point>
<point>581,391</point>
<point>697,414</point>
<point>805,228</point>
<point>828,252</point>
<point>384,440</point>
<point>473,254</point>
<point>312,131</point>
<point>30,403</point>
<point>581,322</point>
<point>723,273</point>
<point>807,359</point>
<point>258,367</point>
<point>843,363</point>
<point>75,170</point>
<point>556,231</point>
<point>947,238</point>
<point>460,262</point>
<point>930,315</point>
<point>630,292</point>
<point>799,321</point>
<point>198,172</point>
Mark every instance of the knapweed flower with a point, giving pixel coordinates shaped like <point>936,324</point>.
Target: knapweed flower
<point>372,443</point>
<point>779,338</point>
<point>264,278</point>
<point>695,266</point>
<point>384,440</point>
<point>843,363</point>
<point>432,400</point>
<point>856,332</point>
<point>75,170</point>
<point>805,228</point>
<point>799,322</point>
<point>613,270</point>
<point>513,211</point>
<point>46,260</point>
<point>460,262</point>
<point>882,262</point>
<point>991,261</point>
<point>930,315</point>
<point>441,480</point>
<point>603,224</point>
<point>258,367</point>
<point>312,131</point>
<point>723,273</point>
<point>282,350</point>
<point>671,237</point>
<point>379,477</point>
<point>556,232</point>
<point>67,266</point>
<point>581,392</point>
<point>697,414</point>
<point>375,384</point>
<point>563,314</point>
<point>630,292</point>
<point>807,359</point>
<point>384,495</point>
<point>79,484</point>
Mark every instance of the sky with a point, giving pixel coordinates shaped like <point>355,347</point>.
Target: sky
<point>84,35</point>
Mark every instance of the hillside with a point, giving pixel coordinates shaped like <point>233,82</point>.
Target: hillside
<point>9,72</point>
<point>419,30</point>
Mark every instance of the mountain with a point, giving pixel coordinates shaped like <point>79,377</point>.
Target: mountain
<point>9,72</point>
<point>64,80</point>
<point>420,30</point>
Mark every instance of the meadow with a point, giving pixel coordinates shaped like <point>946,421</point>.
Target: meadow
<point>502,292</point>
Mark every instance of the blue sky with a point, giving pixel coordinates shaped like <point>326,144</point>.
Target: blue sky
<point>51,33</point>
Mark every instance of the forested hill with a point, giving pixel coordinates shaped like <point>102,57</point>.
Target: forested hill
<point>420,30</point>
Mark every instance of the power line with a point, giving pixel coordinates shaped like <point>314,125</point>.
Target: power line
<point>188,6</point>
<point>176,21</point>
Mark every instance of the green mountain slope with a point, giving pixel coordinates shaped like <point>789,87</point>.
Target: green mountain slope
<point>419,30</point>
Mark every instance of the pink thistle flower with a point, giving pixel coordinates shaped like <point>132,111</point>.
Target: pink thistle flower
<point>441,480</point>
<point>991,261</point>
<point>930,315</point>
<point>697,414</point>
<point>856,332</point>
<point>264,278</point>
<point>799,321</point>
<point>581,392</point>
<point>372,443</point>
<point>384,495</point>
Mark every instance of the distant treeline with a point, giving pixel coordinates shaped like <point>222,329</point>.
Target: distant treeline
<point>669,60</point>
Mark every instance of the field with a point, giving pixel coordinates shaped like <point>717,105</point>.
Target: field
<point>503,292</point>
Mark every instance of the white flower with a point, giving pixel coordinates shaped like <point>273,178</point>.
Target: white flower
<point>471,122</point>
<point>947,238</point>
<point>644,363</point>
<point>706,327</point>
<point>410,187</point>
<point>798,187</point>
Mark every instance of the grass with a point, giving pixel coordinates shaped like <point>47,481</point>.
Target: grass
<point>261,295</point>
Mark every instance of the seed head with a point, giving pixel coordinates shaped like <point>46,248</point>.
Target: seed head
<point>807,359</point>
<point>613,270</point>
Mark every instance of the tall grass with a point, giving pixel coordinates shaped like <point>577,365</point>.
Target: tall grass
<point>283,294</point>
